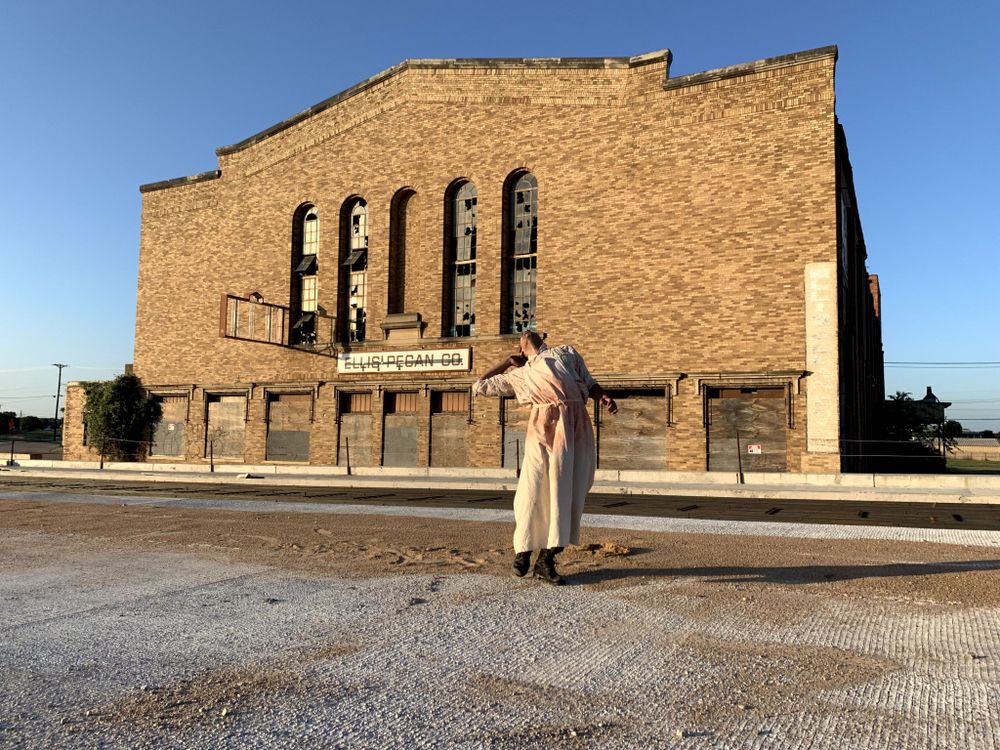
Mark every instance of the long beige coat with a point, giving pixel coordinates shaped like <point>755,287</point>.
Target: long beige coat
<point>558,467</point>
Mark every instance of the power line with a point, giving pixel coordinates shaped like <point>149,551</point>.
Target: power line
<point>916,362</point>
<point>46,367</point>
<point>915,365</point>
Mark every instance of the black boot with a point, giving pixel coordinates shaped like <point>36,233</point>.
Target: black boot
<point>522,561</point>
<point>545,567</point>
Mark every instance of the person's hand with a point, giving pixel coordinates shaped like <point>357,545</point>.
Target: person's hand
<point>609,403</point>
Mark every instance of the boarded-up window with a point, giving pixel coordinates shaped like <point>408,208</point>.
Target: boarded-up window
<point>355,446</point>
<point>399,434</point>
<point>356,403</point>
<point>225,426</point>
<point>401,403</point>
<point>449,428</point>
<point>168,434</point>
<point>450,402</point>
<point>288,422</point>
<point>635,437</point>
<point>515,427</point>
<point>748,426</point>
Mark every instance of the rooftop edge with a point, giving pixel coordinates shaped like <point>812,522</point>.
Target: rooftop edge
<point>177,181</point>
<point>716,74</point>
<point>768,63</point>
<point>634,61</point>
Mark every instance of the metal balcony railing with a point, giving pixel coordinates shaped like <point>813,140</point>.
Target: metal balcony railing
<point>250,320</point>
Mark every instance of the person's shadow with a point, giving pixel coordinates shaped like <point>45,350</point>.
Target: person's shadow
<point>798,574</point>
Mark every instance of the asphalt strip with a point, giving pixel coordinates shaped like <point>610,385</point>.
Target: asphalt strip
<point>968,538</point>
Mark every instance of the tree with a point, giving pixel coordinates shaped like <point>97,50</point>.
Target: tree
<point>902,422</point>
<point>31,424</point>
<point>119,417</point>
<point>952,429</point>
<point>911,441</point>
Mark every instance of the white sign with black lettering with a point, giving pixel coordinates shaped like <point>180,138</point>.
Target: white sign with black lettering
<point>755,449</point>
<point>428,360</point>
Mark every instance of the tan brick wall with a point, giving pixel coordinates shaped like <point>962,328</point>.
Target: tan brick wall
<point>73,431</point>
<point>674,229</point>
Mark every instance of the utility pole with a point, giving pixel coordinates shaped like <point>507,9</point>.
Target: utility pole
<point>55,424</point>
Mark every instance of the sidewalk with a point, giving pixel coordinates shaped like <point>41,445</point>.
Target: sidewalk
<point>950,488</point>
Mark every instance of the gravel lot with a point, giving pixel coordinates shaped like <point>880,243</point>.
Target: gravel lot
<point>163,623</point>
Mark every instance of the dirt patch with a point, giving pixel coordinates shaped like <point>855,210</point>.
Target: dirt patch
<point>372,545</point>
<point>489,688</point>
<point>567,735</point>
<point>742,677</point>
<point>210,699</point>
<point>331,652</point>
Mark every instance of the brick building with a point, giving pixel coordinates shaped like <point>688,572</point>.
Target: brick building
<point>337,284</point>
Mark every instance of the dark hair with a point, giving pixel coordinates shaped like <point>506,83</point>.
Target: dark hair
<point>534,338</point>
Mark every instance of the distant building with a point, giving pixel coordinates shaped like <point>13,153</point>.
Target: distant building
<point>332,290</point>
<point>929,409</point>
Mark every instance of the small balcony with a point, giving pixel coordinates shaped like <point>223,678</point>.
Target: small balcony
<point>249,319</point>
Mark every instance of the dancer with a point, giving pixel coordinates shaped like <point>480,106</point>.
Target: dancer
<point>558,466</point>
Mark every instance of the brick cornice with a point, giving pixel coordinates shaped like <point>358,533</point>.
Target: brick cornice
<point>757,66</point>
<point>178,181</point>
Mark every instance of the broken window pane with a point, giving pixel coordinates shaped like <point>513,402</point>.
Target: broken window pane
<point>522,244</point>
<point>356,266</point>
<point>304,279</point>
<point>304,330</point>
<point>463,260</point>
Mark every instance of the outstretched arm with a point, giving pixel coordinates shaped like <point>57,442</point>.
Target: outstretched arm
<point>597,393</point>
<point>514,360</point>
<point>493,382</point>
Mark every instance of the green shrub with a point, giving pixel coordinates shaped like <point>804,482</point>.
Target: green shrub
<point>119,417</point>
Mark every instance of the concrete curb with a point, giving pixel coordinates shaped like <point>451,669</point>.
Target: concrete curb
<point>810,487</point>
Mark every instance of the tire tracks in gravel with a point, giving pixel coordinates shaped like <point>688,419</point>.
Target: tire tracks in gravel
<point>137,600</point>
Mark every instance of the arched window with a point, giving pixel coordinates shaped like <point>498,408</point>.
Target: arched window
<point>354,305</point>
<point>460,268</point>
<point>398,211</point>
<point>305,269</point>
<point>520,253</point>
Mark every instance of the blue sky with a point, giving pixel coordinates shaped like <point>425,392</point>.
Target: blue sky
<point>99,97</point>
